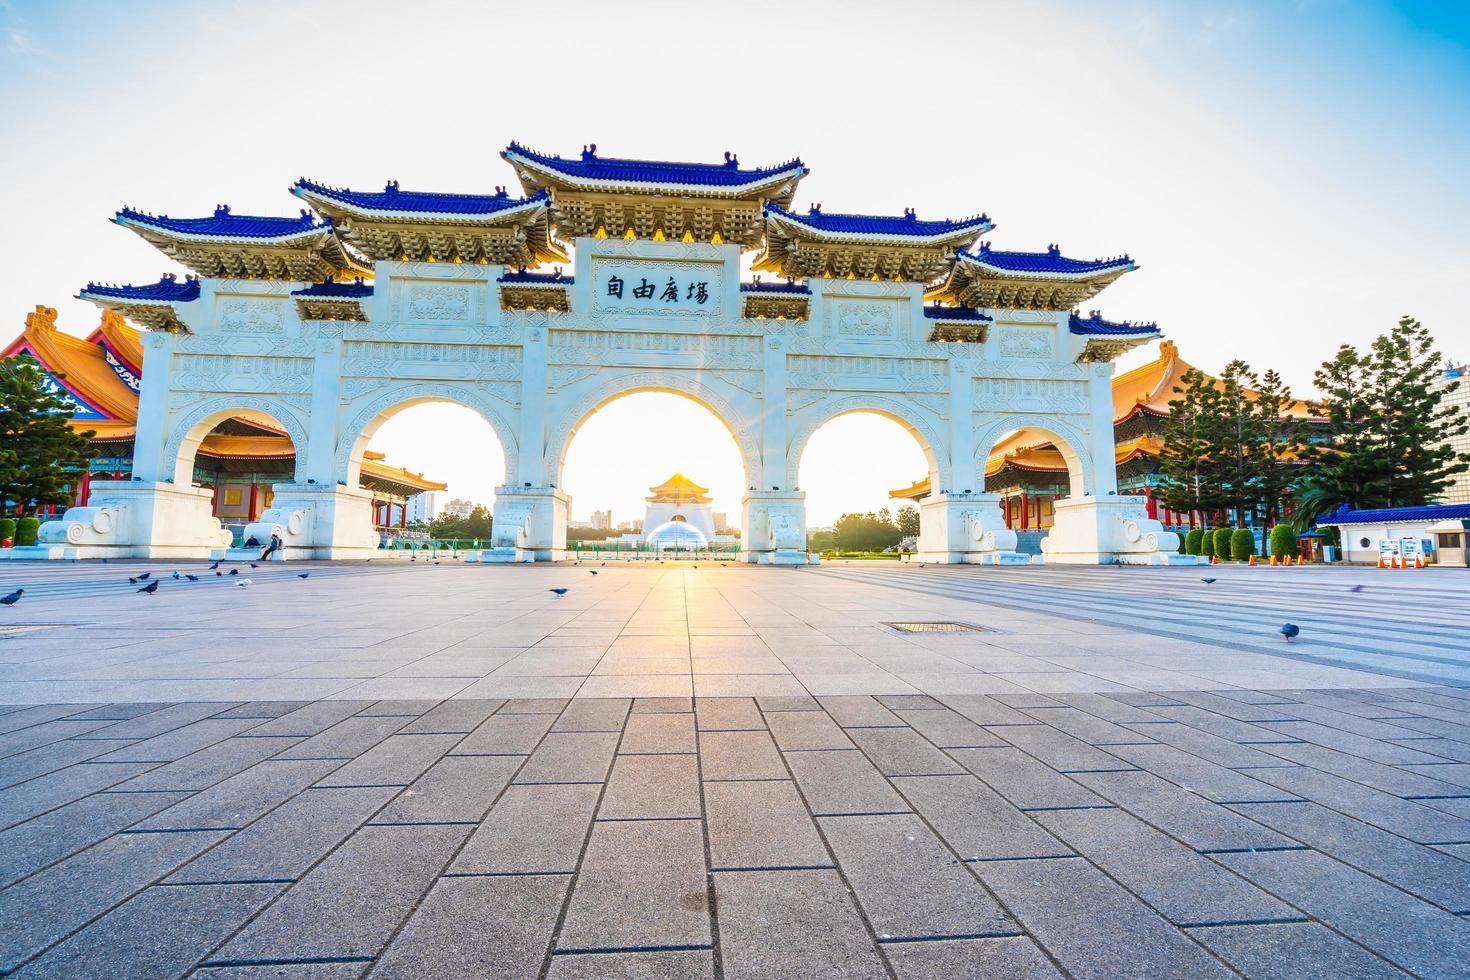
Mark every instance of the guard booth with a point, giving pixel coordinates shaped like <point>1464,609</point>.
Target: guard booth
<point>1449,543</point>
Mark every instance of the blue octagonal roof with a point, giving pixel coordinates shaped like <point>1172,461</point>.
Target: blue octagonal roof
<point>390,198</point>
<point>223,224</point>
<point>907,225</point>
<point>166,290</point>
<point>1051,261</point>
<point>589,166</point>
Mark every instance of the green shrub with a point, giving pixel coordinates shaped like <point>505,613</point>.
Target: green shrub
<point>1283,541</point>
<point>7,529</point>
<point>1220,545</point>
<point>1193,541</point>
<point>1242,545</point>
<point>25,531</point>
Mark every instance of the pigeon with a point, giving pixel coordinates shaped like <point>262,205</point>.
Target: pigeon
<point>253,565</point>
<point>593,572</point>
<point>192,578</point>
<point>13,598</point>
<point>559,592</point>
<point>219,574</point>
<point>1356,588</point>
<point>1208,581</point>
<point>145,576</point>
<point>150,588</point>
<point>244,583</point>
<point>176,576</point>
<point>214,566</point>
<point>132,581</point>
<point>1290,631</point>
<point>234,571</point>
<point>304,575</point>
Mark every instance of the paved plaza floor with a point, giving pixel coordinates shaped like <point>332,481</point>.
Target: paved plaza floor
<point>403,769</point>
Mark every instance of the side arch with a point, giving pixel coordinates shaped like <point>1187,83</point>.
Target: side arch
<point>368,417</point>
<point>188,432</point>
<point>927,431</point>
<point>1067,438</point>
<point>741,424</point>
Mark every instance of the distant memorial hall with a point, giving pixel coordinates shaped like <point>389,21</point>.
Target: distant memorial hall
<point>608,277</point>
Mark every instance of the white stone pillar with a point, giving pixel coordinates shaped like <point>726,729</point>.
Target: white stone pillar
<point>153,417</point>
<point>535,469</point>
<point>961,430</point>
<point>1102,446</point>
<point>772,476</point>
<point>316,460</point>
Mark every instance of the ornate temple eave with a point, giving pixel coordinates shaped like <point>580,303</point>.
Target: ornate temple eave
<point>538,172</point>
<point>1040,281</point>
<point>310,254</point>
<point>149,314</point>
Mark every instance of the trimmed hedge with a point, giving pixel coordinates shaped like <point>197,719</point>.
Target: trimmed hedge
<point>1283,541</point>
<point>1193,541</point>
<point>25,531</point>
<point>1242,545</point>
<point>7,529</point>
<point>1220,544</point>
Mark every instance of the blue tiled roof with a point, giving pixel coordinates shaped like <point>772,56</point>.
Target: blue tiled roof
<point>226,225</point>
<point>331,289</point>
<point>589,166</point>
<point>548,278</point>
<point>1392,515</point>
<point>166,290</point>
<point>1052,260</point>
<point>390,198</point>
<point>907,224</point>
<point>934,312</point>
<point>775,287</point>
<point>1093,323</point>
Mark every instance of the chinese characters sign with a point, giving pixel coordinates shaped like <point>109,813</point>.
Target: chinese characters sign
<point>661,288</point>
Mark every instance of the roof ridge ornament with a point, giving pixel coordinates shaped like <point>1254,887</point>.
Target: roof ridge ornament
<point>220,211</point>
<point>391,187</point>
<point>731,160</point>
<point>589,152</point>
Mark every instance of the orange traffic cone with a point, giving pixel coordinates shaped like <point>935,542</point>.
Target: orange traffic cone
<point>1253,560</point>
<point>1419,561</point>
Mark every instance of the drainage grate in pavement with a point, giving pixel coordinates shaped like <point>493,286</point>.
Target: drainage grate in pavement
<point>937,628</point>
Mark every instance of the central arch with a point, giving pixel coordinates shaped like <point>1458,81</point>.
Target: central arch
<point>742,425</point>
<point>188,433</point>
<point>1066,438</point>
<point>927,432</point>
<point>370,416</point>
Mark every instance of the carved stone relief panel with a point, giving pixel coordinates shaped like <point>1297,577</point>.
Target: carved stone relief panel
<point>437,302</point>
<point>867,373</point>
<point>1032,395</point>
<point>1014,340</point>
<point>251,314</point>
<point>869,320</point>
<point>469,362</point>
<point>224,372</point>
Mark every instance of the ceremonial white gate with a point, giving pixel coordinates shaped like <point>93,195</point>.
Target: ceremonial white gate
<point>654,302</point>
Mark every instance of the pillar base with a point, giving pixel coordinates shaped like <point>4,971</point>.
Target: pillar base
<point>773,527</point>
<point>315,520</point>
<point>965,528</point>
<point>530,524</point>
<point>1107,531</point>
<point>135,519</point>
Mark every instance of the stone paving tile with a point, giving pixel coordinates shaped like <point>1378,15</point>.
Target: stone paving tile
<point>1294,951</point>
<point>531,830</point>
<point>30,846</point>
<point>903,752</point>
<point>908,882</point>
<point>1404,817</point>
<point>798,730</point>
<point>1202,776</point>
<point>740,755</point>
<point>240,799</point>
<point>36,796</point>
<point>1013,957</point>
<point>665,964</point>
<point>1110,708</point>
<point>412,707</point>
<point>311,719</point>
<point>1219,725</point>
<point>287,841</point>
<point>843,781</point>
<point>1186,816</point>
<point>477,927</point>
<point>456,789</point>
<point>651,787</point>
<point>1091,925</point>
<point>1372,749</point>
<point>263,709</point>
<point>642,884</point>
<point>347,739</point>
<point>208,766</point>
<point>728,714</point>
<point>658,733</point>
<point>47,906</point>
<point>1411,933</point>
<point>155,723</point>
<point>534,706</point>
<point>1389,779</point>
<point>1185,887</point>
<point>859,710</point>
<point>182,741</point>
<point>949,729</point>
<point>761,824</point>
<point>453,717</point>
<point>1058,750</point>
<point>53,756</point>
<point>977,821</point>
<point>396,761</point>
<point>1023,781</point>
<point>506,733</point>
<point>593,715</point>
<point>349,905</point>
<point>161,932</point>
<point>984,709</point>
<point>792,924</point>
<point>570,757</point>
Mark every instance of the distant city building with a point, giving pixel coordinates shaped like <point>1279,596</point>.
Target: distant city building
<point>632,527</point>
<point>721,520</point>
<point>459,508</point>
<point>423,507</point>
<point>580,525</point>
<point>1459,491</point>
<point>601,520</point>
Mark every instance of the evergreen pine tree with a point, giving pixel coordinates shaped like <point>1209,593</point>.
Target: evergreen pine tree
<point>43,455</point>
<point>1188,481</point>
<point>1237,435</point>
<point>1348,465</point>
<point>1416,425</point>
<point>1278,445</point>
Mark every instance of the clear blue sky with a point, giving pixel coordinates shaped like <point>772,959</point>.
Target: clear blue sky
<point>1289,176</point>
